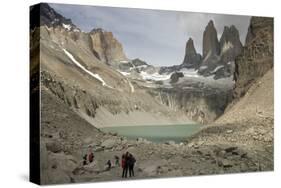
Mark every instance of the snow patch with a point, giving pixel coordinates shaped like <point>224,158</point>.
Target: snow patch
<point>123,61</point>
<point>76,30</point>
<point>124,73</point>
<point>96,76</point>
<point>217,68</point>
<point>66,26</point>
<point>189,72</point>
<point>155,76</point>
<point>226,46</point>
<point>203,67</point>
<point>131,86</point>
<point>207,56</point>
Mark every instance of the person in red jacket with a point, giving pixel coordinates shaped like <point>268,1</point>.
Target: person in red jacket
<point>91,157</point>
<point>124,165</point>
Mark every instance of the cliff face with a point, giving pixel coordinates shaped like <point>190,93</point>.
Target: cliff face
<point>230,45</point>
<point>210,41</point>
<point>106,47</point>
<point>192,59</point>
<point>257,55</point>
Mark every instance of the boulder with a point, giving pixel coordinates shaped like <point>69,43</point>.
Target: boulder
<point>109,143</point>
<point>175,77</point>
<point>54,146</point>
<point>170,142</point>
<point>225,163</point>
<point>230,149</point>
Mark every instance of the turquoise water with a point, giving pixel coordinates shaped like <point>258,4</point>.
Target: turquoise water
<point>156,133</point>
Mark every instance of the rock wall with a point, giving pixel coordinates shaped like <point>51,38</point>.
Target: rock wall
<point>257,55</point>
<point>203,107</point>
<point>107,48</point>
<point>210,41</point>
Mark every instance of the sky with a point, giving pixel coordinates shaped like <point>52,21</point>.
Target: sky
<point>155,36</point>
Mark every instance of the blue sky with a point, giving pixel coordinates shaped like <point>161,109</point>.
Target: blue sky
<point>156,36</point>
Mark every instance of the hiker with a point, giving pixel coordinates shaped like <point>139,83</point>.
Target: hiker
<point>117,163</point>
<point>124,165</point>
<point>85,160</point>
<point>91,157</point>
<point>131,164</point>
<point>108,165</point>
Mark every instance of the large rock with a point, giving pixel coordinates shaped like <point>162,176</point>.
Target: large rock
<point>54,146</point>
<point>175,77</point>
<point>192,59</point>
<point>210,41</point>
<point>109,143</point>
<point>257,55</point>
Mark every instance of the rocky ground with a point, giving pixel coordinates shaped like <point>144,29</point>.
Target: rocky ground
<point>225,147</point>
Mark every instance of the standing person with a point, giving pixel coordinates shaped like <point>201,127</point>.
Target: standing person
<point>91,157</point>
<point>131,164</point>
<point>85,159</point>
<point>124,165</point>
<point>108,165</point>
<point>117,163</point>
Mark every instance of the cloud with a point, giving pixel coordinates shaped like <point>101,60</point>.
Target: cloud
<point>155,36</point>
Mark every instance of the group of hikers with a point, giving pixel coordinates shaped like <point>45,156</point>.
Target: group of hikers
<point>127,163</point>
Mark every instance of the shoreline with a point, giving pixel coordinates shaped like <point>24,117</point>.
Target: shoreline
<point>104,119</point>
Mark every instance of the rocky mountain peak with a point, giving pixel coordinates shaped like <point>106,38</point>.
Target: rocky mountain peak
<point>190,47</point>
<point>210,41</point>
<point>230,45</point>
<point>106,47</point>
<point>49,17</point>
<point>192,58</point>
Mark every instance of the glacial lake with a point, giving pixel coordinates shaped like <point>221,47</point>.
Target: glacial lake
<point>156,133</point>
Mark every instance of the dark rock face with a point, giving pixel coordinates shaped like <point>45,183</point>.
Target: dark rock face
<point>230,45</point>
<point>257,55</point>
<point>49,17</point>
<point>175,77</point>
<point>192,59</point>
<point>210,41</point>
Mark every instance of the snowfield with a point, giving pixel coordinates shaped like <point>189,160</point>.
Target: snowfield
<point>155,76</point>
<point>96,76</point>
<point>189,72</point>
